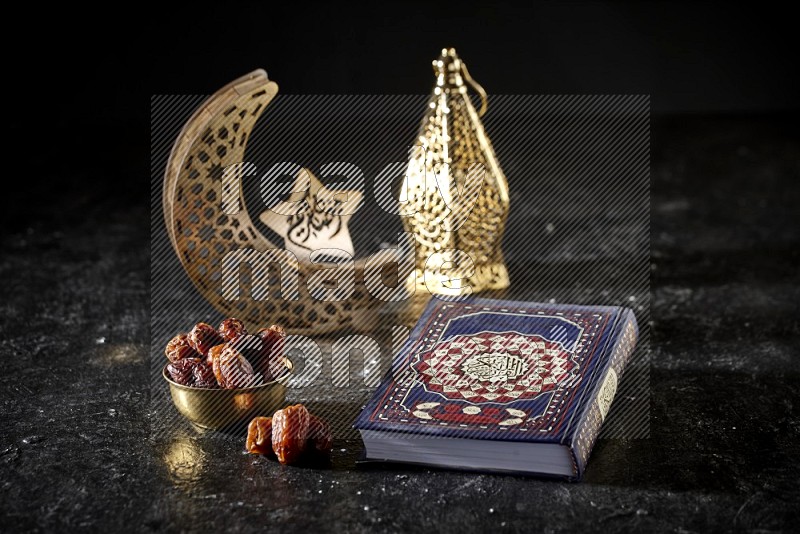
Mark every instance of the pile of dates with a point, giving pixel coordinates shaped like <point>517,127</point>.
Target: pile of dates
<point>226,357</point>
<point>290,434</point>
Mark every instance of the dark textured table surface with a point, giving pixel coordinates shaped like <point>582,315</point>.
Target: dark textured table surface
<point>76,447</point>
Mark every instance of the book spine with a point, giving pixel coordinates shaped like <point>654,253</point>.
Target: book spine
<point>603,392</point>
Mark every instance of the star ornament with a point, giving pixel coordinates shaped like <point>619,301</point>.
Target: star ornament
<point>313,221</point>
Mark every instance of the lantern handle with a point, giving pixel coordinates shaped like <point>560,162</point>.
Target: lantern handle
<point>478,89</point>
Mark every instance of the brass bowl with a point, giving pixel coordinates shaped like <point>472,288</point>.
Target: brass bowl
<point>225,408</point>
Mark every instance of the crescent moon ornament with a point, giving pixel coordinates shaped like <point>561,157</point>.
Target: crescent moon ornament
<point>211,146</point>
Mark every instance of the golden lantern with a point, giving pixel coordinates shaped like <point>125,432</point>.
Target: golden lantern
<point>455,199</point>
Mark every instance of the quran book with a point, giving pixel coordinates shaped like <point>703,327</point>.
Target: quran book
<point>493,385</point>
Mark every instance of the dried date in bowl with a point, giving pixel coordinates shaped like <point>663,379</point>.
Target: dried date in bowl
<point>202,337</point>
<point>220,408</point>
<point>179,348</point>
<point>263,354</point>
<point>231,328</point>
<point>233,370</point>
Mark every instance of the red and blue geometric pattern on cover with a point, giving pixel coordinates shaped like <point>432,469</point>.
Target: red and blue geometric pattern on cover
<point>496,367</point>
<point>492,370</point>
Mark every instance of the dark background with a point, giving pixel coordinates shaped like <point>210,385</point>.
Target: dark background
<point>87,126</point>
<point>725,287</point>
<point>690,57</point>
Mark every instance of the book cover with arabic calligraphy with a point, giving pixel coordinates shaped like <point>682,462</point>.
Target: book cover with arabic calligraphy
<point>501,386</point>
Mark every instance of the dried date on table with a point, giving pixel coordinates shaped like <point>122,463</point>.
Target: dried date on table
<point>259,436</point>
<point>320,436</point>
<point>290,432</point>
